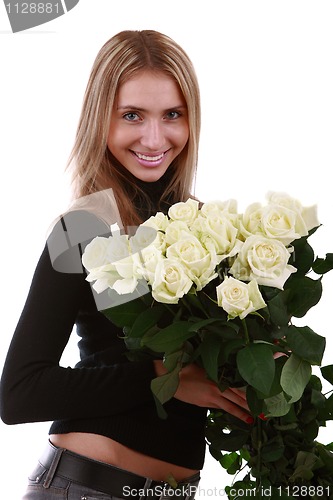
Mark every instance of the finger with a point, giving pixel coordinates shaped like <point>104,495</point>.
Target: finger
<point>232,396</point>
<point>277,355</point>
<point>236,411</point>
<point>241,392</point>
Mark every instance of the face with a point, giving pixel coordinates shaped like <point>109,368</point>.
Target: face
<point>149,125</point>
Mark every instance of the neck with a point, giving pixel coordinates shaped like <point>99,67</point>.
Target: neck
<point>149,197</point>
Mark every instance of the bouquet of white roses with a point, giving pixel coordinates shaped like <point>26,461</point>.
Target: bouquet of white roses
<point>222,290</point>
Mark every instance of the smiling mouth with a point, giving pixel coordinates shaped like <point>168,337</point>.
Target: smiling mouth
<point>149,158</point>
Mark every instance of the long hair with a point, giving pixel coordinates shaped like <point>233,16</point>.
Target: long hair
<point>94,169</point>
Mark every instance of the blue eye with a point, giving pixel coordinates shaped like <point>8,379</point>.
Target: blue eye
<point>172,115</point>
<point>131,116</point>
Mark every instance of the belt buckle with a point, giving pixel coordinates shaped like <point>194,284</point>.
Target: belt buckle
<point>148,490</point>
<point>183,491</point>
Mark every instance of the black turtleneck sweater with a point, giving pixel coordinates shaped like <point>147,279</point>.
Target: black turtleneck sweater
<point>104,393</point>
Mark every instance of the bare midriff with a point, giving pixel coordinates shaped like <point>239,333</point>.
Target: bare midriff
<point>111,452</point>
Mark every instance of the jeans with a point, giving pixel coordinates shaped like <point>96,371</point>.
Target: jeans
<point>59,489</point>
<point>46,484</point>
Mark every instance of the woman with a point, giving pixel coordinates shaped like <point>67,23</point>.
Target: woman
<point>138,140</point>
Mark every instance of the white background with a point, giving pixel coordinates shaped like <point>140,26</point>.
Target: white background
<point>266,77</point>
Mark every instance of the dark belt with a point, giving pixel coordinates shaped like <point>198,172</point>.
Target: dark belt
<point>109,479</point>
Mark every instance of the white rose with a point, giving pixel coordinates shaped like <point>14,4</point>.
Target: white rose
<point>96,253</point>
<point>310,217</point>
<point>250,220</point>
<point>238,298</point>
<point>159,221</point>
<point>308,214</point>
<point>150,257</point>
<point>283,199</point>
<point>171,282</point>
<point>283,219</point>
<point>185,211</point>
<point>126,267</point>
<point>272,221</point>
<point>124,286</point>
<point>97,261</point>
<point>174,230</point>
<point>160,243</point>
<point>103,276</point>
<point>121,276</point>
<point>125,274</point>
<point>143,237</point>
<point>199,263</point>
<point>218,232</point>
<point>118,247</point>
<point>283,224</point>
<point>211,207</point>
<point>120,273</point>
<point>263,259</point>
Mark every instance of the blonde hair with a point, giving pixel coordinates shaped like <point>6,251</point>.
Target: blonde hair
<point>94,169</point>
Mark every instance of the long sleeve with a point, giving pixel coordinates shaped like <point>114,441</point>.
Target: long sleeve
<point>34,387</point>
<point>103,393</point>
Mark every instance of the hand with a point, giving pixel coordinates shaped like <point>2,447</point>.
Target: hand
<point>195,388</point>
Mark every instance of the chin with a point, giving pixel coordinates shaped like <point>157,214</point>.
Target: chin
<point>150,176</point>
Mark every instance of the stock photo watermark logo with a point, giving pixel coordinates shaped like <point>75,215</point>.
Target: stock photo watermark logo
<point>25,15</point>
<point>86,221</point>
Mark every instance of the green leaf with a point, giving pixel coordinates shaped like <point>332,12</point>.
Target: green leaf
<point>205,322</point>
<point>322,266</point>
<point>255,403</point>
<point>310,431</point>
<point>193,300</point>
<point>160,409</point>
<point>277,406</point>
<point>329,404</point>
<point>295,375</point>
<point>256,365</point>
<point>231,462</point>
<point>303,293</point>
<point>125,314</point>
<point>326,455</point>
<point>169,339</point>
<point>327,373</point>
<point>209,350</point>
<point>273,450</point>
<point>231,441</point>
<point>146,320</point>
<point>165,386</point>
<point>303,255</point>
<point>215,453</point>
<point>276,386</point>
<point>315,383</point>
<point>304,465</point>
<point>228,348</point>
<point>225,332</point>
<point>278,310</point>
<point>308,415</point>
<point>133,344</point>
<point>317,399</point>
<point>172,360</point>
<point>306,344</point>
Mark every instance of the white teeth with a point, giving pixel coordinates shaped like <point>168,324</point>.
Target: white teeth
<point>149,158</point>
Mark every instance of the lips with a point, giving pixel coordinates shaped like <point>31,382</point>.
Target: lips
<point>149,157</point>
<point>148,160</point>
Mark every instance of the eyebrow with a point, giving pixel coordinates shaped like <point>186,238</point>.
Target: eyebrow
<point>137,108</point>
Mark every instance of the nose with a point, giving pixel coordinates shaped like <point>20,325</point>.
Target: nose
<point>153,137</point>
